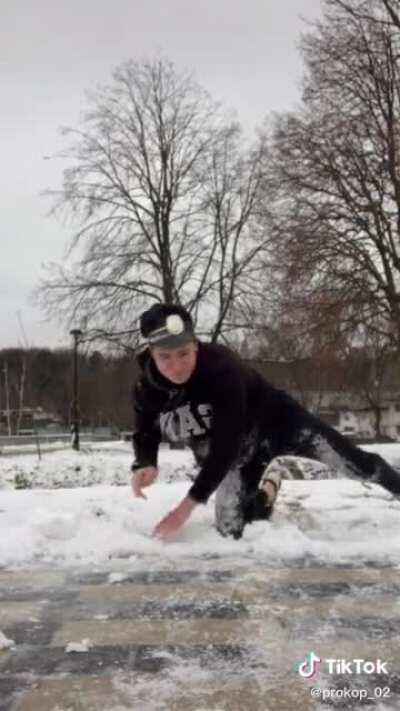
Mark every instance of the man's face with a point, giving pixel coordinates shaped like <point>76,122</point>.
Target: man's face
<point>176,364</point>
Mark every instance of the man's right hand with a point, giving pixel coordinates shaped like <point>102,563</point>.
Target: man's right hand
<point>141,478</point>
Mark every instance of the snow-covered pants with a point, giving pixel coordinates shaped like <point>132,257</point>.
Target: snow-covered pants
<point>238,500</point>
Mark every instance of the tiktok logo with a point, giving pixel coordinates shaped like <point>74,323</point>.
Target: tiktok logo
<point>308,667</point>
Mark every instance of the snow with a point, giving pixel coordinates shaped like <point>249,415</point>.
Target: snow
<point>107,463</point>
<point>5,643</point>
<point>80,511</point>
<point>83,646</point>
<point>114,578</point>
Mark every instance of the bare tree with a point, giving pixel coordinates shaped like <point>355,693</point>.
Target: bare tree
<point>335,177</point>
<point>371,373</point>
<point>231,205</point>
<point>379,11</point>
<point>146,225</point>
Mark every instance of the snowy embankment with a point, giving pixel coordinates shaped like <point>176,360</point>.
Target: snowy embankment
<point>75,514</point>
<point>107,463</point>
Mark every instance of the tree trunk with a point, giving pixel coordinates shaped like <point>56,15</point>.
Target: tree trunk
<point>378,421</point>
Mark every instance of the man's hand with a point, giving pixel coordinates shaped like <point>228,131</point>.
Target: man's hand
<point>141,478</point>
<point>173,521</point>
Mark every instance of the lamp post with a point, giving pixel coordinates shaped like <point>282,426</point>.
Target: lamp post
<point>76,334</point>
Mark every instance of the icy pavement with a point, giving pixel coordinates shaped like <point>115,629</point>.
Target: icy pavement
<point>197,636</point>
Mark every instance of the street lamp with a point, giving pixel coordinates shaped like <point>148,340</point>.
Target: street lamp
<point>76,334</point>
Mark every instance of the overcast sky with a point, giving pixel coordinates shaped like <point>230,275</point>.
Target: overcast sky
<point>244,52</point>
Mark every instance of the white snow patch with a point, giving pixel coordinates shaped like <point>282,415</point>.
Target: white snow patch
<point>83,646</point>
<point>117,578</point>
<point>6,643</point>
<point>336,520</point>
<point>108,464</point>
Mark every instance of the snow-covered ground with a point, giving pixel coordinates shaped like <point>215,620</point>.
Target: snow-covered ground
<point>79,509</point>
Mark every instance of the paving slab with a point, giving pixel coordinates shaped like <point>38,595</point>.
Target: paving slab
<point>128,692</point>
<point>192,631</point>
<point>14,612</point>
<point>32,579</point>
<point>188,639</point>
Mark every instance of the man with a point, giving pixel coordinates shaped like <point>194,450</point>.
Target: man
<point>234,421</point>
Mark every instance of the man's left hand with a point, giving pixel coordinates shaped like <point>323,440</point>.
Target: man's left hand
<point>173,521</point>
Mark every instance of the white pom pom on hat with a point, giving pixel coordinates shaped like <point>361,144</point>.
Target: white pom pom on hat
<point>166,325</point>
<point>174,324</point>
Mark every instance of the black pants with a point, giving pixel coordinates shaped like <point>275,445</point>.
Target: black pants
<point>238,500</point>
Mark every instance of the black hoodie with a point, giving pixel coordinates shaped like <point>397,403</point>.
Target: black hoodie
<point>225,404</point>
